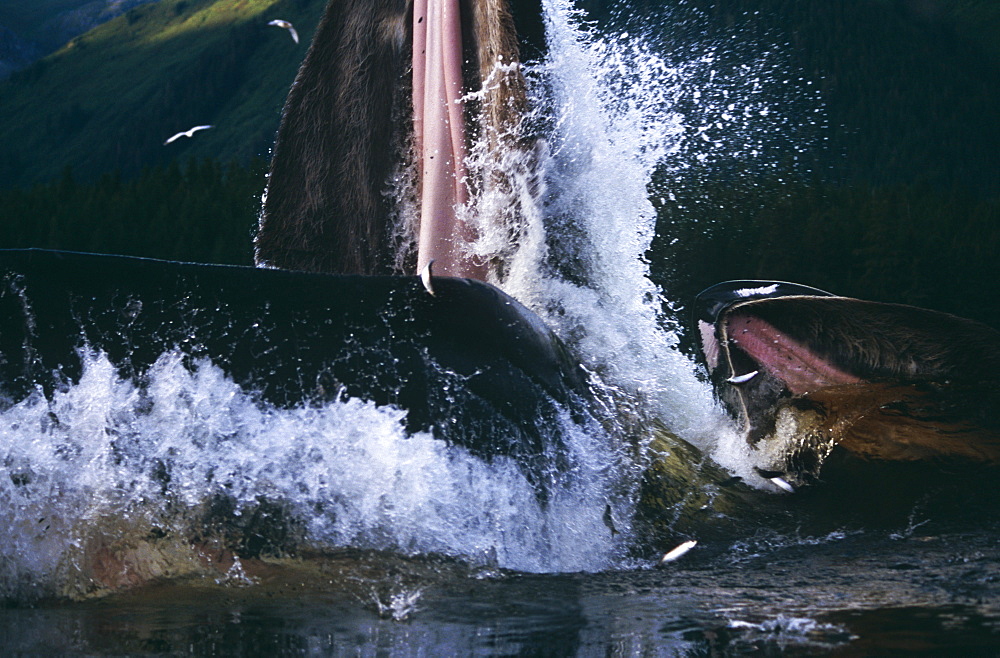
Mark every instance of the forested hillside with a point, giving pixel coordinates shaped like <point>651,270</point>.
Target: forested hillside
<point>108,100</point>
<point>29,30</point>
<point>202,212</point>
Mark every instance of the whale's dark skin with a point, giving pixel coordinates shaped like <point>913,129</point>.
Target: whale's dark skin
<point>850,380</point>
<point>468,362</point>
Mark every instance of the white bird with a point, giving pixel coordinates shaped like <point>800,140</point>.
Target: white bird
<point>277,22</point>
<point>186,133</point>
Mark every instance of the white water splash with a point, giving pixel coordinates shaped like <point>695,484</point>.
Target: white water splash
<point>619,110</point>
<point>105,453</point>
<point>397,605</point>
<point>787,632</point>
<point>612,107</point>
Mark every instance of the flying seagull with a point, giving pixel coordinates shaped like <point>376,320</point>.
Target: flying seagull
<point>186,133</point>
<point>277,22</point>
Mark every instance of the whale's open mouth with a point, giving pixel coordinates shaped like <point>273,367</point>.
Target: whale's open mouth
<point>752,363</point>
<point>807,374</point>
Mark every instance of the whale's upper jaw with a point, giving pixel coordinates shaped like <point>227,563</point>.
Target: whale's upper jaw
<point>711,302</point>
<point>791,329</point>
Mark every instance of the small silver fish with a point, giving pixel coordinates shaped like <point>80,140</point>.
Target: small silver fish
<point>677,552</point>
<point>742,379</point>
<point>782,483</point>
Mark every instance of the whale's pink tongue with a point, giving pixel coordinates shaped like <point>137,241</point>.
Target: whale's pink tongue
<point>802,370</point>
<point>439,130</point>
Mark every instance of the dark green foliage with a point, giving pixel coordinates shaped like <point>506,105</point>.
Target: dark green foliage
<point>909,87</point>
<point>202,212</point>
<point>899,202</point>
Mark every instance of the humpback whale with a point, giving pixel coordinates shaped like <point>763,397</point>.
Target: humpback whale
<point>815,379</point>
<point>330,314</point>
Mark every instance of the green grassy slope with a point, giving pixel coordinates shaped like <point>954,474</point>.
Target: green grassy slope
<point>109,99</point>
